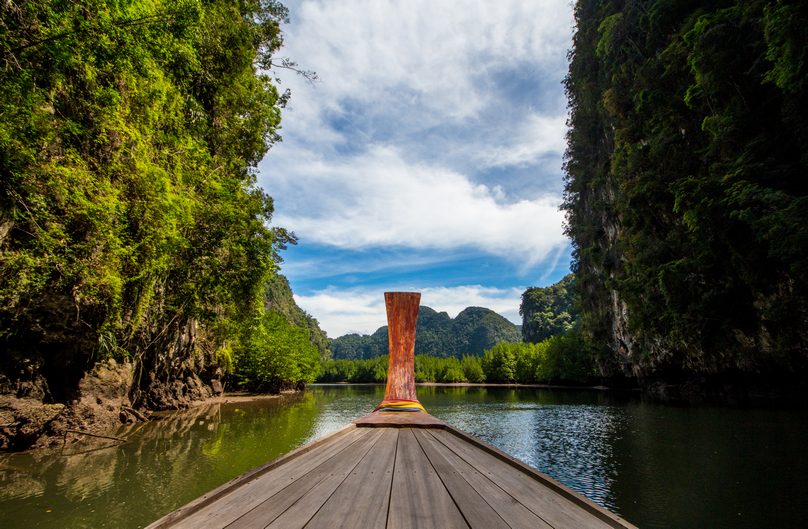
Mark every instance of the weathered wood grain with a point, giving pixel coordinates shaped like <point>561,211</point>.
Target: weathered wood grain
<point>399,419</point>
<point>474,507</point>
<point>418,498</point>
<point>363,498</point>
<point>554,509</point>
<point>225,491</point>
<point>299,513</point>
<point>231,506</point>
<point>329,473</point>
<point>514,513</point>
<point>402,317</point>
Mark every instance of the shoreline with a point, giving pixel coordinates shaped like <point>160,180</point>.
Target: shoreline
<point>481,385</point>
<point>225,398</point>
<point>667,394</point>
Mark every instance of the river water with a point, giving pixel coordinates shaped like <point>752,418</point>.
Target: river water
<point>658,466</point>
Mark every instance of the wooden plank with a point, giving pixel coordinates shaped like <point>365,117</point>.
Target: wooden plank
<point>299,514</point>
<point>230,506</point>
<point>363,498</point>
<point>475,509</point>
<point>556,510</point>
<point>578,499</point>
<point>418,498</point>
<point>399,419</point>
<point>333,470</point>
<point>514,513</point>
<point>173,518</point>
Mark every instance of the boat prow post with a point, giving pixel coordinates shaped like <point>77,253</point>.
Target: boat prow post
<point>400,406</point>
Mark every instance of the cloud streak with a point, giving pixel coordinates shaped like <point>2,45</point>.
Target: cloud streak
<point>440,53</point>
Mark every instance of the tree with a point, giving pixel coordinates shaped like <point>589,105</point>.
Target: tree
<point>546,312</point>
<point>275,354</point>
<point>129,210</point>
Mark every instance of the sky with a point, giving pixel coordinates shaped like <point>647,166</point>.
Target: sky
<point>427,157</point>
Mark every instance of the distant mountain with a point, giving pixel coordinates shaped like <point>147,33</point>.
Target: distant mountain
<point>470,333</point>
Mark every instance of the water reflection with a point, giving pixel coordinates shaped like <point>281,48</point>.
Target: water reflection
<point>718,467</point>
<point>563,434</point>
<point>659,466</point>
<point>166,464</point>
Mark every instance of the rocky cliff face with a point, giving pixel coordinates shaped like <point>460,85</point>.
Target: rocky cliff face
<point>57,374</point>
<point>102,400</point>
<point>32,419</point>
<point>176,369</point>
<point>52,380</point>
<point>685,196</point>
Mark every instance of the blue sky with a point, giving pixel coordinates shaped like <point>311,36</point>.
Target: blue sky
<point>427,158</point>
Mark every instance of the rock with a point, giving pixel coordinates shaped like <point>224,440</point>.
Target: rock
<point>216,386</point>
<point>32,423</point>
<point>33,389</point>
<point>6,386</point>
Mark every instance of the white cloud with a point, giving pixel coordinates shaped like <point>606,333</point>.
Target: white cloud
<point>453,300</point>
<point>438,127</point>
<point>536,136</point>
<point>438,52</point>
<point>342,312</point>
<point>377,199</point>
<point>361,310</point>
<point>388,150</point>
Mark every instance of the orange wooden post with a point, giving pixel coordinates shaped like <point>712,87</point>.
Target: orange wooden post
<point>399,396</point>
<point>402,317</point>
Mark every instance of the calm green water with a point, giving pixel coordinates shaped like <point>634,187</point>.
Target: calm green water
<point>656,465</point>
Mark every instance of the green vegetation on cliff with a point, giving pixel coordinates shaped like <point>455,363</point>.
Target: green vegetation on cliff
<point>686,195</point>
<point>470,333</point>
<point>278,298</point>
<point>549,311</point>
<point>131,225</point>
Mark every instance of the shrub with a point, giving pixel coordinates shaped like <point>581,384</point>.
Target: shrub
<point>276,355</point>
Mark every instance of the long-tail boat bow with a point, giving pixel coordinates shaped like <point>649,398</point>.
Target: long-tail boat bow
<point>394,469</point>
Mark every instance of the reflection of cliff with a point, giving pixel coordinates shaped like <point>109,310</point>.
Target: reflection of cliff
<point>165,464</point>
<point>707,466</point>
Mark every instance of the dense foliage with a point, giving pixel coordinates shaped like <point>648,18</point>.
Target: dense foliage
<point>567,358</point>
<point>549,311</point>
<point>370,370</point>
<point>274,355</point>
<point>470,333</point>
<point>130,219</point>
<point>278,297</point>
<point>687,195</point>
<point>562,358</point>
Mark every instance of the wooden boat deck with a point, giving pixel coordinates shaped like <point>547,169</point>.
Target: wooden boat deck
<point>391,477</point>
<point>394,469</point>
